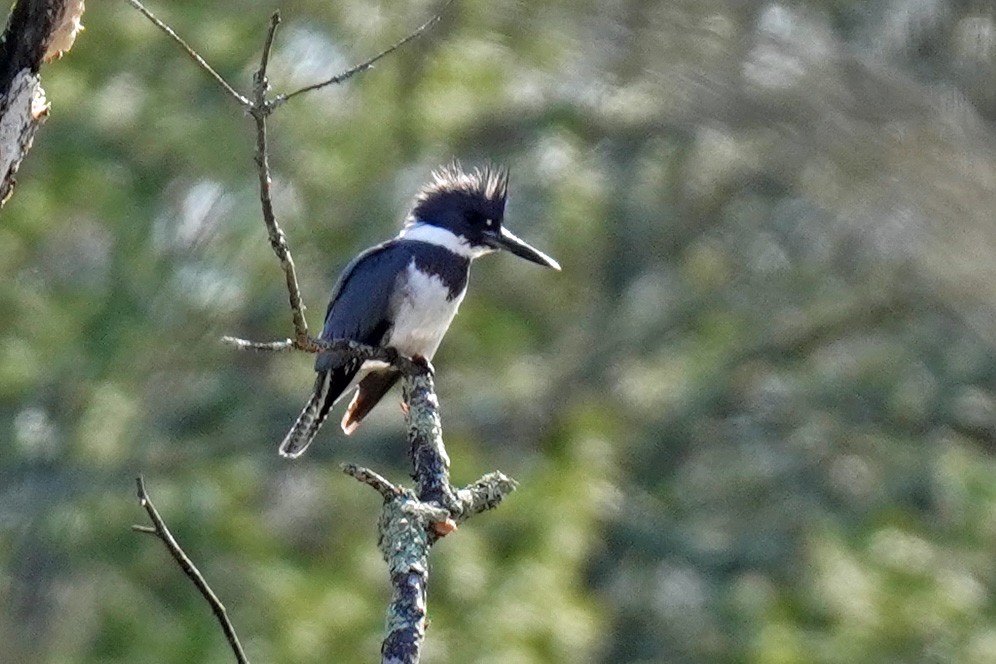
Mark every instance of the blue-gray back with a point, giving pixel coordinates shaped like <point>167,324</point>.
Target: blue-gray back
<point>361,299</point>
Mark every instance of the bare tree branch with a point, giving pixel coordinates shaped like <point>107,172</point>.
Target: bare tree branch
<point>194,55</point>
<point>267,346</point>
<point>259,107</point>
<point>368,64</point>
<point>405,365</point>
<point>161,531</point>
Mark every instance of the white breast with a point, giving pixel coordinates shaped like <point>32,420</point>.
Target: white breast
<point>422,313</point>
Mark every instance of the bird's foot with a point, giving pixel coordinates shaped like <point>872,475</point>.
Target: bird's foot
<point>424,364</point>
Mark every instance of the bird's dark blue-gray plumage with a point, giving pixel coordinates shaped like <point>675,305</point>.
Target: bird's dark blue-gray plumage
<point>404,293</point>
<point>361,300</point>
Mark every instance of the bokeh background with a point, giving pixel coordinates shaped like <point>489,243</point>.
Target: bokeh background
<point>754,418</point>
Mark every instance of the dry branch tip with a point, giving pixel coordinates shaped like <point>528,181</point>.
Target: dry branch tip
<point>161,531</point>
<point>194,55</point>
<point>367,64</point>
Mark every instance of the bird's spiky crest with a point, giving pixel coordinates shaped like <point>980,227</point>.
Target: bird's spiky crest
<point>489,182</point>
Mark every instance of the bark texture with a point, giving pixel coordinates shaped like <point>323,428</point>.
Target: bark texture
<point>37,31</point>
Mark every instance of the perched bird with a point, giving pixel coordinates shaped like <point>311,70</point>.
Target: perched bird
<point>404,293</point>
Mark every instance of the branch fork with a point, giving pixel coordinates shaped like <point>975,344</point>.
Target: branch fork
<point>259,107</point>
<point>434,500</point>
<point>412,521</point>
<point>162,532</point>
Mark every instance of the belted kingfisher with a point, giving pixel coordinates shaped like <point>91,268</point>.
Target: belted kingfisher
<point>404,293</point>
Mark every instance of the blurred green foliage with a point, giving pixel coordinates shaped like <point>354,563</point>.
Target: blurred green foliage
<point>753,418</point>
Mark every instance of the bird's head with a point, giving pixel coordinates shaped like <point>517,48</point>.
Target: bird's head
<point>465,212</point>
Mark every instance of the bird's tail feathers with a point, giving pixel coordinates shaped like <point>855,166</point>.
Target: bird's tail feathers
<point>368,393</point>
<point>311,418</point>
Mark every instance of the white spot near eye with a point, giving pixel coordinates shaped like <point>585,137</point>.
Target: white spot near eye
<point>489,222</point>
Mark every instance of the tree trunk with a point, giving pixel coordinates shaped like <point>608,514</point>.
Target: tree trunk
<point>38,31</point>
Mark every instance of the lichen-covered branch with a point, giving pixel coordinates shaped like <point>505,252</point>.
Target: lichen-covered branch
<point>483,495</point>
<point>404,542</point>
<point>430,463</point>
<point>411,522</point>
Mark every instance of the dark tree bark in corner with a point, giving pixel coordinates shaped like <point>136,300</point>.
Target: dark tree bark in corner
<point>37,31</point>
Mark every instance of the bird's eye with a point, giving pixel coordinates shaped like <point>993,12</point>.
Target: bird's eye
<point>489,222</point>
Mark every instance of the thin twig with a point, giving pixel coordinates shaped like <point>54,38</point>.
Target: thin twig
<point>406,365</point>
<point>260,108</point>
<point>363,66</point>
<point>383,486</point>
<point>264,58</point>
<point>243,101</point>
<point>161,531</point>
<point>269,346</point>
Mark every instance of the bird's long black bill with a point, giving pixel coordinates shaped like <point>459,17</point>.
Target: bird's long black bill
<point>510,242</point>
